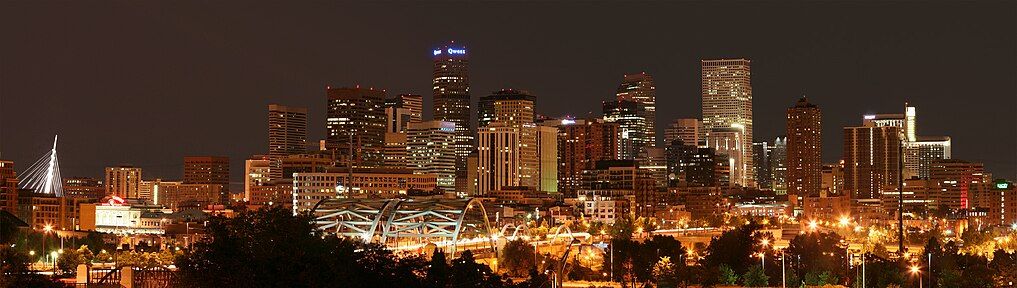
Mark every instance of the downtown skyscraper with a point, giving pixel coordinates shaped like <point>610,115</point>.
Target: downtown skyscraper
<point>640,88</point>
<point>287,130</point>
<point>287,134</point>
<point>355,123</point>
<point>451,85</point>
<point>631,127</point>
<point>727,103</point>
<point>871,160</point>
<point>804,150</point>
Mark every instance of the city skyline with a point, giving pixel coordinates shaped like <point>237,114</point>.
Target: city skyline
<point>154,110</point>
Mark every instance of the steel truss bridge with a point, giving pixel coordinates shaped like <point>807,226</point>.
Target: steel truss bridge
<point>412,224</point>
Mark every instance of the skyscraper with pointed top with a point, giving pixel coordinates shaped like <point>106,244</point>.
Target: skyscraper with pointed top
<point>451,85</point>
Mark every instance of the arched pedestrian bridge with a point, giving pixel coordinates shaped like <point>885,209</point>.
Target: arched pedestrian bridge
<point>407,224</point>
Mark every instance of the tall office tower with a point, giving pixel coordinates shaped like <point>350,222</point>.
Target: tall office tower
<point>287,130</point>
<point>762,151</point>
<point>728,144</point>
<point>209,170</point>
<point>430,149</point>
<point>804,149</point>
<point>690,165</point>
<point>581,143</point>
<point>514,109</point>
<point>256,174</point>
<point>499,162</point>
<point>727,103</point>
<point>871,160</point>
<point>396,119</point>
<point>921,152</point>
<point>287,134</point>
<point>639,88</point>
<point>8,187</point>
<point>962,184</point>
<point>547,158</point>
<point>519,109</point>
<point>452,101</point>
<point>778,165</point>
<point>411,102</point>
<point>123,181</point>
<point>355,124</point>
<point>631,127</point>
<point>686,129</point>
<point>395,150</point>
<point>904,121</point>
<point>84,187</point>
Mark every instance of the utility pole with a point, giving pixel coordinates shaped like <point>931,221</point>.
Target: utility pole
<point>900,194</point>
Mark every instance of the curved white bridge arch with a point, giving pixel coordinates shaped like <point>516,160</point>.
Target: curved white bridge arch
<point>402,224</point>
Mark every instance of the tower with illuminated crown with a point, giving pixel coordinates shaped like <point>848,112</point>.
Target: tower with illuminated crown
<point>451,85</point>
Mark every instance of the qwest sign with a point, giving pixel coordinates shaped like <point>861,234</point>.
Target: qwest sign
<point>449,51</point>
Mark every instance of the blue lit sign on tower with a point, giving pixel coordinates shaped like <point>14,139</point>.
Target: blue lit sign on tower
<point>450,51</point>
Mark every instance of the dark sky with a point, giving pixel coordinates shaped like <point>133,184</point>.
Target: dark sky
<point>147,82</point>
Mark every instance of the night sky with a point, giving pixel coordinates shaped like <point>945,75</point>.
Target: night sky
<point>147,82</point>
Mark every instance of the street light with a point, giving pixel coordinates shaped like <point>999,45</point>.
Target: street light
<point>915,270</point>
<point>45,230</point>
<point>53,255</point>
<point>813,225</point>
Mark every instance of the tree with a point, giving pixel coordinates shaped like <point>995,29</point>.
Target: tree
<point>271,247</point>
<point>69,260</point>
<point>755,277</point>
<point>666,273</point>
<point>535,280</point>
<point>466,272</point>
<point>86,254</point>
<point>103,257</point>
<point>727,275</point>
<point>437,271</point>
<point>881,272</point>
<point>816,253</point>
<point>815,278</point>
<point>1004,267</point>
<point>622,228</point>
<point>517,258</point>
<point>733,248</point>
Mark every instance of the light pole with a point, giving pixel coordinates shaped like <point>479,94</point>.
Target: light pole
<point>917,272</point>
<point>863,270</point>
<point>783,274</point>
<point>45,230</point>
